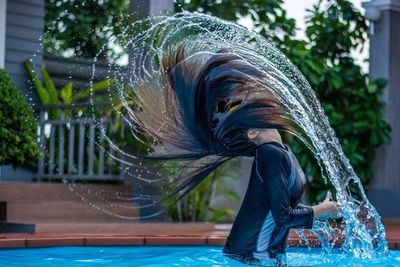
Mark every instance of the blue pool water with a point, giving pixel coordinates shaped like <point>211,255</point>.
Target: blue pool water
<point>171,256</point>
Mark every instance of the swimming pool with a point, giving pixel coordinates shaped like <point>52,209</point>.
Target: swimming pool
<point>170,256</point>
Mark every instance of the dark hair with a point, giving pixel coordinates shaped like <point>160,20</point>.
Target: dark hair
<point>210,101</point>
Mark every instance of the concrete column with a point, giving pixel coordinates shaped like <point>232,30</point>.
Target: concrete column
<point>3,12</point>
<point>384,190</point>
<point>144,8</point>
<point>160,7</point>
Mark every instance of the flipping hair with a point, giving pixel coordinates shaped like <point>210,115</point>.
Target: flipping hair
<point>210,100</point>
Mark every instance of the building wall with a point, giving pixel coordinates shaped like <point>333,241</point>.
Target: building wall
<point>384,189</point>
<point>24,31</point>
<point>24,24</point>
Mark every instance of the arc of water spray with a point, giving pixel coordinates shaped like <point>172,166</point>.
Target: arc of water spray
<point>203,33</point>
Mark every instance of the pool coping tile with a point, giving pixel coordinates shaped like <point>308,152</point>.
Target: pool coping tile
<point>54,241</point>
<point>113,240</point>
<point>174,240</point>
<point>12,242</point>
<point>216,240</point>
<point>393,244</point>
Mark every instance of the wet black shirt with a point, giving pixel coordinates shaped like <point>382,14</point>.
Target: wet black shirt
<point>271,204</point>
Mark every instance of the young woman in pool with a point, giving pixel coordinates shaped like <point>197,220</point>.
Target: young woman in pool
<point>216,107</point>
<point>271,204</point>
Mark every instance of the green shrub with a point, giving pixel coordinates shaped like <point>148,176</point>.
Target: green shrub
<point>17,125</point>
<point>194,206</point>
<point>351,101</point>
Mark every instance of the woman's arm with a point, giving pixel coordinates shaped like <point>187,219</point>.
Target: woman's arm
<point>284,215</point>
<point>273,169</point>
<point>273,172</point>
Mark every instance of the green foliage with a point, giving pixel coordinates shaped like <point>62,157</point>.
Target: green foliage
<point>82,27</point>
<point>42,92</point>
<point>66,93</point>
<point>96,87</point>
<point>351,102</point>
<point>266,15</point>
<point>17,125</point>
<point>195,205</point>
<point>48,93</point>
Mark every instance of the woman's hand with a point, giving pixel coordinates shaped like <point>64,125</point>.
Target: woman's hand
<point>327,208</point>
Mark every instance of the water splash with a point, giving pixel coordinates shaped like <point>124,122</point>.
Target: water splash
<point>149,40</point>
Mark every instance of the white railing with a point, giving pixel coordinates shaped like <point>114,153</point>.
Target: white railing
<point>73,146</point>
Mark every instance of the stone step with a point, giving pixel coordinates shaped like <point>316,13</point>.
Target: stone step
<point>26,192</point>
<point>41,202</point>
<point>70,211</point>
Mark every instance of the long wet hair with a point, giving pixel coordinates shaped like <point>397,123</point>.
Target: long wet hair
<point>210,101</point>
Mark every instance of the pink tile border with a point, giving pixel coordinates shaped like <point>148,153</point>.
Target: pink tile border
<point>174,240</point>
<point>12,242</point>
<point>216,241</point>
<point>54,241</point>
<point>393,244</point>
<point>110,240</point>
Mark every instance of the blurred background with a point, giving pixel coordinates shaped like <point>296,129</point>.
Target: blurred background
<point>50,161</point>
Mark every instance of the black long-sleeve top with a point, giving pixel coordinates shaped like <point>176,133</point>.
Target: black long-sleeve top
<point>271,204</point>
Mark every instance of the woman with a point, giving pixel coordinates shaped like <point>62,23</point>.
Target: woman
<point>271,204</point>
<point>217,106</point>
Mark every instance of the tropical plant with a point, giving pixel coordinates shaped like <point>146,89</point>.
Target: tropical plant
<point>48,93</point>
<point>195,205</point>
<point>17,125</point>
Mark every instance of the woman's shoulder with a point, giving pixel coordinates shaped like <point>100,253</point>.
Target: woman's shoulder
<point>271,147</point>
<point>272,152</point>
